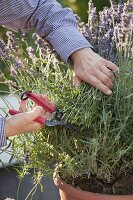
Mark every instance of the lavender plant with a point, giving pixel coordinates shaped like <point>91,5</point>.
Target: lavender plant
<point>100,150</point>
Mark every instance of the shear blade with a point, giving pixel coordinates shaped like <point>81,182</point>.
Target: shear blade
<point>55,123</point>
<point>61,123</point>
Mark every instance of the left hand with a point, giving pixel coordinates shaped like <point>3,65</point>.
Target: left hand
<point>93,69</point>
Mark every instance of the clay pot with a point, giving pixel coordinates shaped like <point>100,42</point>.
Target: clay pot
<point>68,192</point>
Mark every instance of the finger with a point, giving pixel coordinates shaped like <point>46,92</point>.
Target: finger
<point>36,112</point>
<point>99,85</point>
<point>107,72</point>
<point>111,66</point>
<point>22,107</point>
<point>47,115</point>
<point>46,100</point>
<point>104,79</point>
<point>25,118</point>
<point>76,80</point>
<point>43,97</point>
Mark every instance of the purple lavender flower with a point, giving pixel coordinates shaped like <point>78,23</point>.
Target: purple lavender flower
<point>121,2</point>
<point>13,71</point>
<point>113,32</point>
<point>27,157</point>
<point>39,41</point>
<point>31,54</point>
<point>12,43</point>
<point>17,63</point>
<point>4,54</point>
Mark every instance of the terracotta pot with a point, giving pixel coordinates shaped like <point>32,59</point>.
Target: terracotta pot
<point>68,192</point>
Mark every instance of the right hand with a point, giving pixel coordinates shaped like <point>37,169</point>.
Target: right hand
<point>24,122</point>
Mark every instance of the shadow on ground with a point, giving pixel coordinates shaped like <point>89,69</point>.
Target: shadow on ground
<point>9,184</point>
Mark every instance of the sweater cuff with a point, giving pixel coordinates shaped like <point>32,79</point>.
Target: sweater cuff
<point>3,141</point>
<point>67,40</point>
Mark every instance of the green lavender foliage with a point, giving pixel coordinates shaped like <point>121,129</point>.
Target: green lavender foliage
<point>102,143</point>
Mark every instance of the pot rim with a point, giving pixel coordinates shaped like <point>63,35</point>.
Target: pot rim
<point>66,188</point>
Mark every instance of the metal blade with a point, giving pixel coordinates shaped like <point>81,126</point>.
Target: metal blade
<point>55,123</point>
<point>61,123</point>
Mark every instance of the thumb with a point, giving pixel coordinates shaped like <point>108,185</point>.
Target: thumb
<point>33,114</point>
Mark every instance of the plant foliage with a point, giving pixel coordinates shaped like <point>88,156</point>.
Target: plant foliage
<point>102,142</point>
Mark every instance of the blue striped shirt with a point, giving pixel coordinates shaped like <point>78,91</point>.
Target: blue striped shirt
<point>2,132</point>
<point>52,22</point>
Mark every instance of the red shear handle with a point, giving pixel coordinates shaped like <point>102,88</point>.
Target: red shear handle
<point>40,120</point>
<point>49,107</point>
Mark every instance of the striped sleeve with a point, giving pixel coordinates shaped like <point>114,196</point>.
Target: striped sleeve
<point>3,141</point>
<point>51,21</point>
<point>58,25</point>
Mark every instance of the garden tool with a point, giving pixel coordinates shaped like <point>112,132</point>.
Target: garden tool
<point>56,118</point>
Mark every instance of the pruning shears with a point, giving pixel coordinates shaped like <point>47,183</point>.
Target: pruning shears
<point>56,118</point>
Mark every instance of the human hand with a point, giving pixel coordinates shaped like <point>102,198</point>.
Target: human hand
<point>93,69</point>
<point>24,122</point>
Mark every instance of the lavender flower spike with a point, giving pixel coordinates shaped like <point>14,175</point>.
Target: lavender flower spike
<point>121,2</point>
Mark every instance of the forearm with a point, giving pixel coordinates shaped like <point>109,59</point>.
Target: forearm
<point>58,25</point>
<point>2,132</point>
<point>51,21</point>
